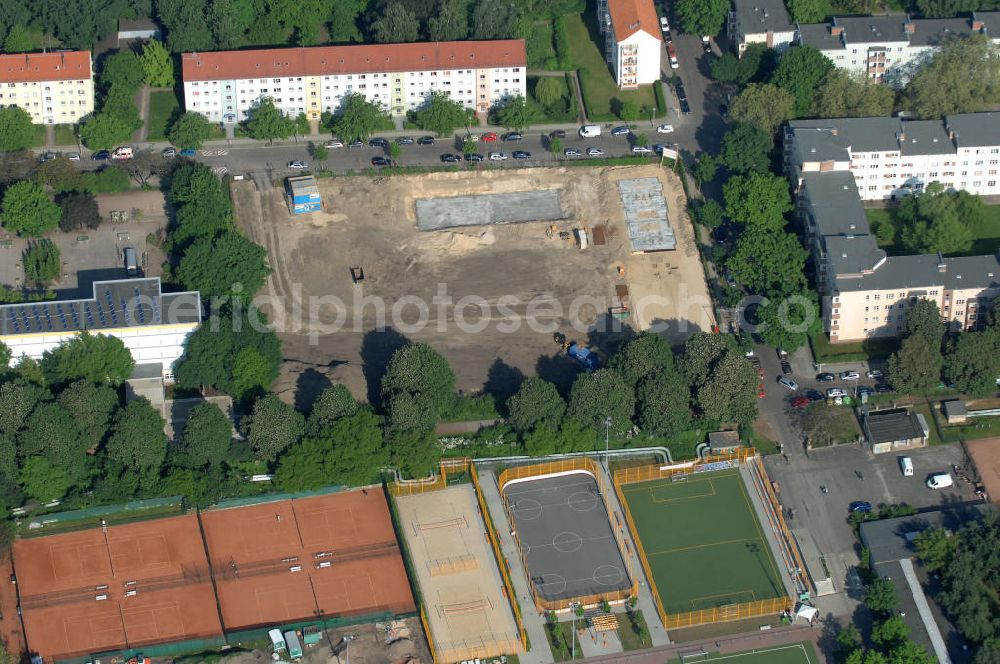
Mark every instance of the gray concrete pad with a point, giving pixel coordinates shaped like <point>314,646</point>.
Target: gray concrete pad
<point>562,525</point>
<point>434,214</point>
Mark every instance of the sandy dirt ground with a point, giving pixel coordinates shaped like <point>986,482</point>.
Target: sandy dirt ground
<point>985,453</point>
<point>520,282</point>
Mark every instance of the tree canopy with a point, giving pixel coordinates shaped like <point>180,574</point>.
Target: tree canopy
<point>602,394</point>
<point>157,65</point>
<point>207,435</point>
<point>939,221</point>
<point>224,264</point>
<point>273,426</point>
<point>746,148</point>
<point>189,130</point>
<point>800,72</point>
<point>639,358</point>
<point>536,403</point>
<point>96,357</point>
<point>137,440</point>
<point>962,76</point>
<point>702,17</point>
<point>842,95</point>
<point>28,210</point>
<point>769,262</point>
<point>764,106</point>
<point>358,118</point>
<point>349,451</point>
<point>516,113</point>
<point>396,24</point>
<point>266,122</point>
<point>915,368</point>
<point>41,262</point>
<point>417,386</point>
<point>16,130</point>
<point>758,200</point>
<point>441,115</point>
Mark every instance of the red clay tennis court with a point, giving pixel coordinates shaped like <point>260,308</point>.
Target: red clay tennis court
<point>306,558</point>
<point>121,587</point>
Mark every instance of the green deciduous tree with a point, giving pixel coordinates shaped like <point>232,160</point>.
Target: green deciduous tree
<point>95,357</point>
<point>923,319</point>
<point>28,210</point>
<point>418,385</point>
<point>934,547</point>
<point>709,214</point>
<point>915,368</point>
<point>647,354</point>
<point>769,262</point>
<point>333,403</point>
<point>706,168</point>
<point>842,95</point>
<point>273,426</point>
<point>50,431</point>
<point>756,65</point>
<point>758,200</point>
<point>91,406</point>
<point>963,76</point>
<point>266,122</point>
<point>550,90</point>
<point>190,130</point>
<point>938,220</point>
<point>122,69</point>
<point>320,153</point>
<point>216,265</point>
<point>536,403</point>
<point>358,118</point>
<point>414,453</point>
<point>787,322</point>
<point>105,130</point>
<point>78,210</point>
<point>972,363</point>
<point>516,113</point>
<point>440,114</point>
<point>186,24</point>
<point>570,437</point>
<point>350,451</point>
<point>16,130</point>
<point>451,23</point>
<point>880,596</point>
<point>43,480</point>
<point>18,40</point>
<point>203,206</point>
<point>663,403</point>
<point>157,65</point>
<point>41,261</point>
<point>495,19</point>
<point>702,17</point>
<point>729,393</point>
<point>628,111</point>
<point>396,24</point>
<point>137,440</point>
<point>800,72</point>
<point>18,397</point>
<point>600,395</point>
<point>746,148</point>
<point>809,11</point>
<point>762,105</point>
<point>890,632</point>
<point>207,435</point>
<point>60,174</point>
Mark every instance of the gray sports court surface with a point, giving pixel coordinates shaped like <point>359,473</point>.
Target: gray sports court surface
<point>562,525</point>
<point>478,210</point>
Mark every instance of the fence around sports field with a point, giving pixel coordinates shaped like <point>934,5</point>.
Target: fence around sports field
<point>720,614</point>
<point>575,464</point>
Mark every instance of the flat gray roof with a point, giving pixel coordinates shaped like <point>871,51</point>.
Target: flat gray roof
<point>119,303</point>
<point>853,254</point>
<point>892,539</point>
<point>818,36</point>
<point>924,137</point>
<point>858,134</point>
<point>887,426</point>
<point>974,129</point>
<point>646,215</point>
<point>443,212</point>
<point>991,21</point>
<point>869,29</point>
<point>148,370</point>
<point>759,16</point>
<point>834,203</point>
<point>932,31</point>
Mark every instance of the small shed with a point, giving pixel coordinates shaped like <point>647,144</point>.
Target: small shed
<point>895,429</point>
<point>140,28</point>
<point>955,411</point>
<point>723,442</point>
<point>303,195</point>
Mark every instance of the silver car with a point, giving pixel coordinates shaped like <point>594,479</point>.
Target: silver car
<point>595,152</point>
<point>498,156</point>
<point>572,152</point>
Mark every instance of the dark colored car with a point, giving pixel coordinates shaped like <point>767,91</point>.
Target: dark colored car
<point>860,506</point>
<point>558,133</point>
<point>425,140</point>
<point>405,140</point>
<point>188,152</point>
<point>475,156</point>
<point>681,94</point>
<point>786,368</point>
<point>521,154</point>
<point>381,161</point>
<point>685,107</point>
<point>815,395</point>
<point>512,136</point>
<point>378,142</point>
<point>862,391</point>
<point>883,389</point>
<point>450,158</point>
<point>102,155</point>
<point>621,131</point>
<point>825,377</point>
<point>353,145</point>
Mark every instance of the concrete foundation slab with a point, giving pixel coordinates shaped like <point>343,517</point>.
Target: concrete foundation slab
<point>505,208</point>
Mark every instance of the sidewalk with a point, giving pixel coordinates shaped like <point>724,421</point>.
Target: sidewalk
<point>657,633</point>
<point>534,622</point>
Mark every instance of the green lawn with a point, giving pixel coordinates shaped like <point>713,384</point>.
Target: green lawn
<point>703,541</point>
<point>986,238</point>
<point>565,110</point>
<point>793,653</point>
<point>851,351</point>
<point>541,51</point>
<point>977,427</point>
<point>601,94</point>
<point>65,135</point>
<point>162,106</point>
<point>629,628</point>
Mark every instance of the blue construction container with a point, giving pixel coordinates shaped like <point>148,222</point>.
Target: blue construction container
<point>303,195</point>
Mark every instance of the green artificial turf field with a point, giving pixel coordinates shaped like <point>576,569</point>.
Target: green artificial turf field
<point>793,653</point>
<point>703,541</point>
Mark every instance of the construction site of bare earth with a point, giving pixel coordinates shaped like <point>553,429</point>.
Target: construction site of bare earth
<point>484,265</point>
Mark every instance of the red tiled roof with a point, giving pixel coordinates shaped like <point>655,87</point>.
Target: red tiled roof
<point>630,16</point>
<point>58,66</point>
<point>361,59</point>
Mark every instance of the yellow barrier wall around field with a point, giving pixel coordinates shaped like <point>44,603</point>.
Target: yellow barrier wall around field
<point>508,583</point>
<point>561,466</point>
<point>435,482</point>
<point>721,614</point>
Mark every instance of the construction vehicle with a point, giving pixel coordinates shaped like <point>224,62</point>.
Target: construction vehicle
<point>587,358</point>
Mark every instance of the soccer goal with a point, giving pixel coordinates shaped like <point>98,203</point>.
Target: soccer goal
<point>694,656</point>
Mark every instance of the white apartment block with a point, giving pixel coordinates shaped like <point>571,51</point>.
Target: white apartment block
<point>153,325</point>
<point>889,157</point>
<point>835,164</point>
<point>888,48</point>
<point>224,85</point>
<point>54,88</point>
<point>760,22</point>
<point>633,43</point>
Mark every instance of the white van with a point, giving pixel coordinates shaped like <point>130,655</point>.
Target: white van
<point>131,262</point>
<point>294,647</point>
<point>940,481</point>
<point>906,465</point>
<point>590,131</point>
<point>277,640</point>
<point>124,152</point>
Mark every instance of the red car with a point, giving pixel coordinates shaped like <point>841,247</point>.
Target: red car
<point>489,137</point>
<point>760,391</point>
<point>799,402</point>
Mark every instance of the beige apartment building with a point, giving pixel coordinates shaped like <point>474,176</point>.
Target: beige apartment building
<point>865,292</point>
<point>54,88</point>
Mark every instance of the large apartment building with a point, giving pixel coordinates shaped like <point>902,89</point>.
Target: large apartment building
<point>633,43</point>
<point>225,85</point>
<point>54,88</point>
<point>759,22</point>
<point>887,48</point>
<point>891,157</point>
<point>865,292</point>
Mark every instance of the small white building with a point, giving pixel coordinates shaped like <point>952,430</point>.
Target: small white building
<point>54,88</point>
<point>633,41</point>
<point>140,28</point>
<point>759,22</point>
<point>153,325</point>
<point>224,85</point>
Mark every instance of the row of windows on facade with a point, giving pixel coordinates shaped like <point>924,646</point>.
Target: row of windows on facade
<point>26,105</point>
<point>47,83</point>
<point>964,185</point>
<point>336,88</point>
<point>414,100</point>
<point>896,155</point>
<point>361,77</point>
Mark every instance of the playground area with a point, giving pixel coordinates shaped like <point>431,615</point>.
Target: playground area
<point>703,542</point>
<point>468,613</point>
<point>792,653</point>
<point>306,558</point>
<point>110,588</point>
<point>566,538</point>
